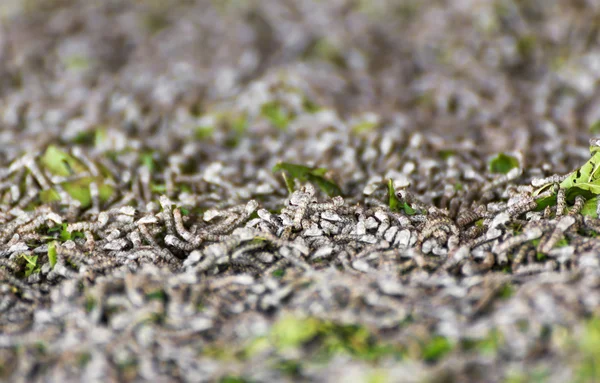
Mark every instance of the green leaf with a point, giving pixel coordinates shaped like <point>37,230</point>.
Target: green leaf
<point>503,163</point>
<point>80,190</point>
<point>305,173</point>
<point>290,331</point>
<point>436,348</point>
<point>278,273</point>
<point>85,137</point>
<point>49,196</point>
<point>204,132</point>
<point>31,260</point>
<point>64,234</point>
<point>595,127</point>
<point>586,173</point>
<point>589,208</point>
<point>364,126</point>
<point>395,203</point>
<point>105,191</point>
<point>546,201</point>
<point>277,114</point>
<point>59,162</point>
<point>158,188</point>
<point>52,253</point>
<point>445,154</point>
<point>147,160</point>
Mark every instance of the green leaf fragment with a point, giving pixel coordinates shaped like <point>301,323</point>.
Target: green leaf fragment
<point>85,137</point>
<point>59,162</point>
<point>277,114</point>
<point>436,348</point>
<point>445,154</point>
<point>49,196</point>
<point>305,173</point>
<point>158,188</point>
<point>64,234</point>
<point>147,160</point>
<point>364,126</point>
<point>204,132</point>
<point>503,163</point>
<point>586,177</point>
<point>31,265</point>
<point>395,203</point>
<point>52,253</point>
<point>595,127</point>
<point>589,208</point>
<point>292,332</point>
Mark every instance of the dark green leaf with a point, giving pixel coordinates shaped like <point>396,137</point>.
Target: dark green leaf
<point>436,348</point>
<point>589,208</point>
<point>503,163</point>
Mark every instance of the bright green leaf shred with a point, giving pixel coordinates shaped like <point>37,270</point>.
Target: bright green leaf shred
<point>395,203</point>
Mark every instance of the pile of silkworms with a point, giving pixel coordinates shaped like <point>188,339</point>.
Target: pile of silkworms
<point>145,236</point>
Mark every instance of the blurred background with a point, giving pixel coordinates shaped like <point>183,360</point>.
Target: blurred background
<point>500,74</point>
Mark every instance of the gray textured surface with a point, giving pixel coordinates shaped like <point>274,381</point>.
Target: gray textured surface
<point>189,261</point>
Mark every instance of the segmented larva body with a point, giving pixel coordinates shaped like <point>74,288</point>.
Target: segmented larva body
<point>561,202</point>
<point>526,204</point>
<point>554,179</point>
<point>577,205</point>
<point>562,225</point>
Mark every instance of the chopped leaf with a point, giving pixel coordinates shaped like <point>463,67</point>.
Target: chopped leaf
<point>158,188</point>
<point>204,132</point>
<point>364,126</point>
<point>506,291</point>
<point>278,273</point>
<point>64,234</point>
<point>542,203</point>
<point>586,178</point>
<point>49,196</point>
<point>59,162</point>
<point>156,295</point>
<point>589,208</point>
<point>80,190</point>
<point>503,163</point>
<point>279,116</point>
<point>292,332</point>
<point>445,154</point>
<point>304,173</point>
<point>436,348</point>
<point>31,260</point>
<point>595,127</point>
<point>147,160</point>
<point>85,137</point>
<point>52,253</point>
<point>395,203</point>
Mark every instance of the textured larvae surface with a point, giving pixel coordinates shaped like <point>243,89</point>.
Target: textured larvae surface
<point>299,190</point>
